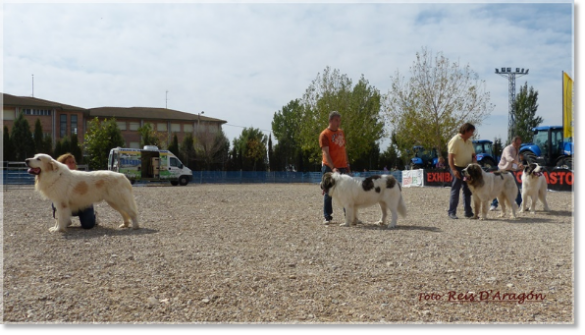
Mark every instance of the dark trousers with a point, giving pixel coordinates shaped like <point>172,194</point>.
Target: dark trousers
<point>454,198</point>
<point>327,200</point>
<point>86,217</point>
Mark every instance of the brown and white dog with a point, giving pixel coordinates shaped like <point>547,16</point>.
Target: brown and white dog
<point>72,190</point>
<point>534,187</point>
<point>487,186</point>
<point>352,193</point>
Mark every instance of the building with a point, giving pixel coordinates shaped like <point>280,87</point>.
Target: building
<point>60,120</point>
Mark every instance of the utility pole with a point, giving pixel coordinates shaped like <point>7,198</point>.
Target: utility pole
<point>166,98</point>
<point>507,72</point>
<point>33,85</point>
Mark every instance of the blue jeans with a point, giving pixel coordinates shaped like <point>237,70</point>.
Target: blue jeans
<point>454,198</point>
<point>518,199</point>
<point>327,200</point>
<point>86,217</point>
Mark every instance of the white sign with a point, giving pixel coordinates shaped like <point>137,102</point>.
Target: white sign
<point>412,178</point>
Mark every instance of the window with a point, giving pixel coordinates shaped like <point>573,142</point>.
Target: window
<point>8,115</point>
<point>161,127</point>
<point>30,111</point>
<point>188,128</point>
<point>134,125</point>
<point>74,124</point>
<point>175,127</point>
<point>175,162</point>
<point>121,125</point>
<point>63,126</point>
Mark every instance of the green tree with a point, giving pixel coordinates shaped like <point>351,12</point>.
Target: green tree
<point>358,105</point>
<point>390,158</point>
<point>8,148</point>
<point>101,136</point>
<point>22,139</point>
<point>497,147</point>
<point>286,126</point>
<point>47,146</point>
<point>63,147</point>
<point>174,146</point>
<point>212,149</point>
<point>524,113</point>
<point>251,149</point>
<point>187,151</point>
<point>428,108</point>
<point>38,136</point>
<point>75,149</point>
<point>148,136</point>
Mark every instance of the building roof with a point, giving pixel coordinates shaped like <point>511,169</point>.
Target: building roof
<point>23,101</point>
<point>148,113</point>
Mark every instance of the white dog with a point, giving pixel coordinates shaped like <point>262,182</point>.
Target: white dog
<point>534,187</point>
<point>353,193</point>
<point>487,186</point>
<point>72,190</point>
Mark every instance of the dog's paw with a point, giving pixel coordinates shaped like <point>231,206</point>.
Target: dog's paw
<point>123,225</point>
<point>380,223</point>
<point>391,226</point>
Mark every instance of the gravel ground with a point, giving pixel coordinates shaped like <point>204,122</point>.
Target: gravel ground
<point>259,253</point>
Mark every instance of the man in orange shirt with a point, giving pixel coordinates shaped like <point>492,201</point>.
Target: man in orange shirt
<point>332,143</point>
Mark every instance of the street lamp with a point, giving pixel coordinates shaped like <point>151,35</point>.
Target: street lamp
<point>199,120</point>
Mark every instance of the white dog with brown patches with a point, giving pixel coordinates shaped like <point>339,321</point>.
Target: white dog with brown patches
<point>72,190</point>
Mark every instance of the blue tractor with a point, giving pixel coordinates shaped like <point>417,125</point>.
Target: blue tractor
<point>548,148</point>
<point>423,158</point>
<point>485,154</point>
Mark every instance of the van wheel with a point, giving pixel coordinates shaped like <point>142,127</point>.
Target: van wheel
<point>174,182</point>
<point>183,181</point>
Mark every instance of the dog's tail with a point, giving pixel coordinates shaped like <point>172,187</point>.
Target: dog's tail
<point>401,206</point>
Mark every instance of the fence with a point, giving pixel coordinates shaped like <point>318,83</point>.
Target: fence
<point>19,176</point>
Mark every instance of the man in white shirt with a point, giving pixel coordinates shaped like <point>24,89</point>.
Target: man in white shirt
<point>510,161</point>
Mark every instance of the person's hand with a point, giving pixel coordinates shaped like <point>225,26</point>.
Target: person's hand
<point>335,170</point>
<point>457,174</point>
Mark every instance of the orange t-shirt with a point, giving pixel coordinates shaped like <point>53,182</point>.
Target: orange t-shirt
<point>335,140</point>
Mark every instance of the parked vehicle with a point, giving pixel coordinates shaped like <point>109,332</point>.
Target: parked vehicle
<point>423,158</point>
<point>485,154</point>
<point>149,164</point>
<point>548,148</point>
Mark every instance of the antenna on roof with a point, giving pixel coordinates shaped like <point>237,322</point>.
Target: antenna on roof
<point>33,85</point>
<point>166,98</point>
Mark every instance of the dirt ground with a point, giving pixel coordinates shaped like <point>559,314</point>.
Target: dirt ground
<point>260,254</point>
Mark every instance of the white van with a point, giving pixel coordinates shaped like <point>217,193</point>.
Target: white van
<point>149,164</point>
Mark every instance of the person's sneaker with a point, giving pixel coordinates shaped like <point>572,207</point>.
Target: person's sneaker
<point>470,216</point>
<point>327,221</point>
<point>453,216</point>
<point>493,208</point>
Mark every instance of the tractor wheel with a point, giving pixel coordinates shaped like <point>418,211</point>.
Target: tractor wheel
<point>529,157</point>
<point>487,163</point>
<point>565,163</point>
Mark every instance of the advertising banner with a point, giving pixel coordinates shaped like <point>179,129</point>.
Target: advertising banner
<point>412,178</point>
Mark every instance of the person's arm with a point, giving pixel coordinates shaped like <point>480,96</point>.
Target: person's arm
<point>329,159</point>
<point>455,172</point>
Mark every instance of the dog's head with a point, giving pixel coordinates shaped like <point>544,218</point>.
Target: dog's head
<point>533,170</point>
<point>41,163</point>
<point>327,182</point>
<point>473,175</point>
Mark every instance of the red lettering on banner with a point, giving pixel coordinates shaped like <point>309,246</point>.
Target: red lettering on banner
<point>518,175</point>
<point>570,178</point>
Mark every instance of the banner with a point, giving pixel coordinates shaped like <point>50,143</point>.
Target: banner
<point>436,177</point>
<point>567,106</point>
<point>412,178</point>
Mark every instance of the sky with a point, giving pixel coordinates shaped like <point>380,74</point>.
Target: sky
<point>242,62</point>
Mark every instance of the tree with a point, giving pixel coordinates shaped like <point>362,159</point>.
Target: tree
<point>390,159</point>
<point>187,151</point>
<point>174,146</point>
<point>359,107</point>
<point>38,136</point>
<point>250,148</point>
<point>100,137</point>
<point>148,136</point>
<point>212,149</point>
<point>286,126</point>
<point>429,107</point>
<point>524,113</point>
<point>22,139</point>
<point>7,146</point>
<point>75,149</point>
<point>270,154</point>
<point>497,147</point>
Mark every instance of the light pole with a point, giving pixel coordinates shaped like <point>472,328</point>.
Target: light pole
<point>199,120</point>
<point>507,72</point>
